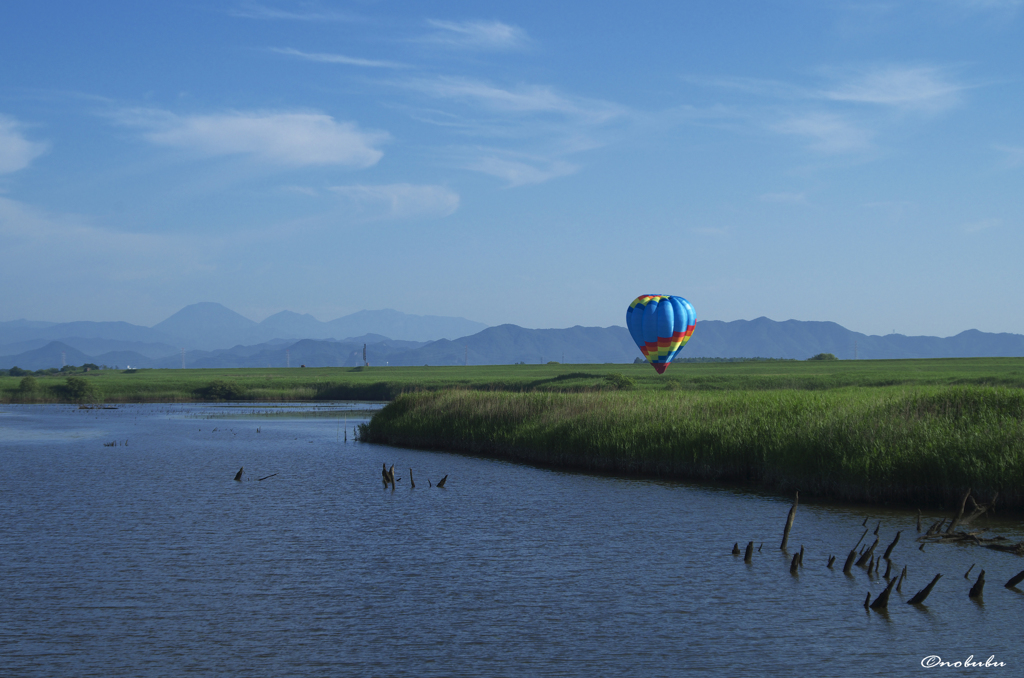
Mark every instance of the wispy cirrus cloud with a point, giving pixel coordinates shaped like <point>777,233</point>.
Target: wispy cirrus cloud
<point>548,125</point>
<point>1013,155</point>
<point>17,152</point>
<point>519,172</point>
<point>337,58</point>
<point>920,88</point>
<point>846,114</point>
<point>981,225</point>
<point>252,10</point>
<point>519,100</point>
<point>285,138</point>
<point>485,35</point>
<point>985,5</point>
<point>827,132</point>
<point>400,201</point>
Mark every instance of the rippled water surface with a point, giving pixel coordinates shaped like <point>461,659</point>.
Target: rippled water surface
<point>144,558</point>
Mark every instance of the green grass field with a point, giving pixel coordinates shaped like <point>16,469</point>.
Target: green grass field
<point>386,383</point>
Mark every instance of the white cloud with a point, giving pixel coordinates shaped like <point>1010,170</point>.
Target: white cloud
<point>493,35</point>
<point>16,152</point>
<point>519,173</point>
<point>337,59</point>
<point>400,201</point>
<point>912,88</point>
<point>829,133</point>
<point>294,139</point>
<point>524,99</point>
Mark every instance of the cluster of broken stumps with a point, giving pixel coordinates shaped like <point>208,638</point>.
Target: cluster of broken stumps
<point>956,531</point>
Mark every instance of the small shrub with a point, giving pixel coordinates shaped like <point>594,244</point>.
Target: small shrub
<point>219,389</point>
<point>28,385</point>
<point>619,382</point>
<point>824,356</point>
<point>77,389</point>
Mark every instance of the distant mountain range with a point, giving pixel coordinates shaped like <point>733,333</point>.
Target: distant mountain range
<point>207,330</point>
<point>208,326</point>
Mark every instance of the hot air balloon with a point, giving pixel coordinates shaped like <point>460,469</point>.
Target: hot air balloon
<point>660,324</point>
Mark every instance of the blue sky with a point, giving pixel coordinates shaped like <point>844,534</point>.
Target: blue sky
<point>538,163</point>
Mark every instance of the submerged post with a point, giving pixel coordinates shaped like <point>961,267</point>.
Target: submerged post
<point>892,545</point>
<point>978,587</point>
<point>1016,580</point>
<point>882,601</point>
<point>238,476</point>
<point>870,553</point>
<point>789,521</point>
<point>923,593</point>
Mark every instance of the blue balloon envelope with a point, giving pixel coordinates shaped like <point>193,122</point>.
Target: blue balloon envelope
<point>660,324</point>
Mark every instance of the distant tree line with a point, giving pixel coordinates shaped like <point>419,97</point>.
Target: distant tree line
<point>67,369</point>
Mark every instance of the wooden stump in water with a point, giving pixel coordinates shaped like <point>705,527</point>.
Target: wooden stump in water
<point>892,545</point>
<point>795,565</point>
<point>789,522</point>
<point>736,549</point>
<point>748,556</point>
<point>923,593</point>
<point>801,555</point>
<point>968,572</point>
<point>978,587</point>
<point>870,553</point>
<point>849,561</point>
<point>882,601</point>
<point>831,562</point>
<point>903,575</point>
<point>238,476</point>
<point>440,483</point>
<point>412,483</point>
<point>1016,580</point>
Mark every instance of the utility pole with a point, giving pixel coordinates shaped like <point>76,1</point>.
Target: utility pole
<point>365,364</point>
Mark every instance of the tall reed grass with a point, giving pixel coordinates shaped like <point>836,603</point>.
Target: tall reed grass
<point>922,446</point>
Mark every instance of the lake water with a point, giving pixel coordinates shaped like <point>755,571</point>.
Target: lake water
<point>147,559</point>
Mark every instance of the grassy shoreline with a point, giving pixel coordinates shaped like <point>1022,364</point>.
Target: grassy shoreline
<point>919,447</point>
<point>916,432</point>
